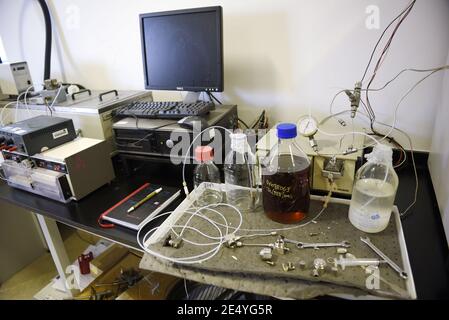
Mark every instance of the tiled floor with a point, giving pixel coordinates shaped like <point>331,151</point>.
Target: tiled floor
<point>31,279</point>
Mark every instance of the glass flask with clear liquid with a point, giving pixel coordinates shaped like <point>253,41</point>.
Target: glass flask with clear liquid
<point>285,178</point>
<point>374,191</point>
<point>240,174</point>
<point>207,172</point>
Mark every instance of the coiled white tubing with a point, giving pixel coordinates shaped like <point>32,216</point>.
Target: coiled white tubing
<point>200,257</point>
<point>220,239</point>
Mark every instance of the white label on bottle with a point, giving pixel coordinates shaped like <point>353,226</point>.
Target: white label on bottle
<point>368,222</point>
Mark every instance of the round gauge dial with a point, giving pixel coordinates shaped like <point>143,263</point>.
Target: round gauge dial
<point>307,126</point>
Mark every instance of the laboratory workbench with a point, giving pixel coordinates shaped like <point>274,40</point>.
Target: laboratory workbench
<point>423,230</point>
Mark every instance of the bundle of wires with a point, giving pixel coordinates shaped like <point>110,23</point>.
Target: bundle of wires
<point>400,19</point>
<point>370,114</point>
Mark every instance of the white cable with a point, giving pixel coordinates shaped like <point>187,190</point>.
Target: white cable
<point>17,105</point>
<point>56,97</point>
<point>185,289</point>
<point>191,260</point>
<point>183,260</point>
<point>184,183</point>
<point>18,100</point>
<point>278,229</point>
<point>3,110</point>
<point>393,126</point>
<point>193,242</point>
<point>186,226</point>
<point>25,100</point>
<point>332,134</point>
<point>215,205</point>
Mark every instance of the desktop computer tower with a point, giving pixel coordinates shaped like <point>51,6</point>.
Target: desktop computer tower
<point>158,139</point>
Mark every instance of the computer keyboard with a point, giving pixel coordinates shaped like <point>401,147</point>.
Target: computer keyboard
<point>164,110</point>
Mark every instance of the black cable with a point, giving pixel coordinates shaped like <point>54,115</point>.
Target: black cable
<point>380,38</point>
<point>213,97</point>
<point>402,16</point>
<point>259,119</point>
<point>243,122</point>
<point>47,19</point>
<point>208,96</point>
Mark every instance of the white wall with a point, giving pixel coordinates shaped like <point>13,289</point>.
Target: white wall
<point>21,241</point>
<point>283,55</point>
<point>439,155</point>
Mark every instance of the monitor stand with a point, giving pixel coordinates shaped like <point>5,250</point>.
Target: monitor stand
<point>191,97</point>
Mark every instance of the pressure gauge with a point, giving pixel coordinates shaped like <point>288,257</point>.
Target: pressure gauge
<point>307,126</point>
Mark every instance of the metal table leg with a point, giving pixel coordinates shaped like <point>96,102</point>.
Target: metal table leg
<point>56,247</point>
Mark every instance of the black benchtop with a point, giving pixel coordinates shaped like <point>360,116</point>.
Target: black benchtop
<point>423,229</point>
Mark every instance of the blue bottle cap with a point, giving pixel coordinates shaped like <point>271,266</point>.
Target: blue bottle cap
<point>286,130</point>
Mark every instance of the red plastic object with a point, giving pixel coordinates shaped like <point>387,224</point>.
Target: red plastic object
<point>83,261</point>
<point>204,153</point>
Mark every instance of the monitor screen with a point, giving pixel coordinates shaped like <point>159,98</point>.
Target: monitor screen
<point>182,50</point>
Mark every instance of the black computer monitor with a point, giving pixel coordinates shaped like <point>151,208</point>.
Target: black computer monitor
<point>183,49</point>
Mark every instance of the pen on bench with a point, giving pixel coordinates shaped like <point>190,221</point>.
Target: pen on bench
<point>148,197</point>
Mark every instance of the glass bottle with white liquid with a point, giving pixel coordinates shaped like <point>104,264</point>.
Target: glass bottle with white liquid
<point>374,191</point>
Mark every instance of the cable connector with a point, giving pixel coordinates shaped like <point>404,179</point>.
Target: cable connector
<point>354,98</point>
<point>313,144</point>
<point>186,190</point>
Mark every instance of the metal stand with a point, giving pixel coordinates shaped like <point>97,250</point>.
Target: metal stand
<point>56,247</point>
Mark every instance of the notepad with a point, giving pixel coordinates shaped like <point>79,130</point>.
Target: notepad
<point>134,220</point>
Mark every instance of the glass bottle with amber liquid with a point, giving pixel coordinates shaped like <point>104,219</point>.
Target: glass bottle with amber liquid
<point>285,178</point>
